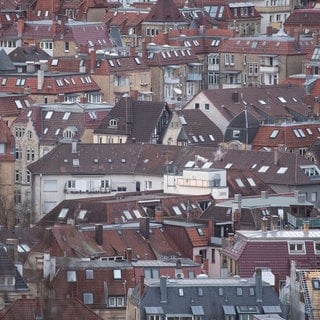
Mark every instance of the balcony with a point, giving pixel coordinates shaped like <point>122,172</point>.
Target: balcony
<point>171,80</point>
<point>297,222</point>
<point>269,69</point>
<point>194,77</point>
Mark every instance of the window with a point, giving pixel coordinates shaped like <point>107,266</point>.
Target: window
<point>206,106</point>
<point>89,274</point>
<point>117,274</point>
<point>317,247</point>
<point>197,105</point>
<point>66,46</point>
<point>239,291</point>
<point>296,247</point>
<point>315,284</point>
<point>88,298</point>
<point>104,184</point>
<point>116,302</point>
<point>236,134</point>
<point>229,59</point>
<point>71,276</point>
<point>71,184</point>
<point>113,122</point>
<point>151,273</point>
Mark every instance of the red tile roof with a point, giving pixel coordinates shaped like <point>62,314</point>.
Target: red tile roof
<point>301,135</point>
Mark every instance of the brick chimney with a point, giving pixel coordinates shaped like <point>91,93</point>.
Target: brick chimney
<point>99,234</point>
<point>93,60</point>
<point>20,26</point>
<point>159,215</point>
<point>145,227</point>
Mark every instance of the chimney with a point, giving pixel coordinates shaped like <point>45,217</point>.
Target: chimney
<point>236,216</point>
<point>141,285</point>
<point>163,289</point>
<point>145,227</point>
<point>258,285</point>
<point>202,30</point>
<point>74,147</point>
<point>93,60</point>
<point>306,227</point>
<point>315,38</point>
<point>230,240</point>
<point>264,224</point>
<point>47,237</point>
<point>129,254</point>
<point>12,249</point>
<point>198,259</point>
<point>54,27</point>
<point>132,50</point>
<point>269,31</point>
<point>159,215</point>
<point>20,27</point>
<point>276,155</point>
<point>274,222</point>
<point>40,79</point>
<point>211,228</point>
<point>99,234</point>
<point>165,38</point>
<point>297,35</point>
<point>235,96</point>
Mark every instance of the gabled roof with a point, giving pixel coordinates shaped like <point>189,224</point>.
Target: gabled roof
<point>11,105</point>
<point>135,119</point>
<point>129,207</point>
<point>28,54</point>
<point>199,129</point>
<point>220,297</point>
<point>295,135</point>
<point>282,168</point>
<point>53,83</point>
<point>303,17</point>
<point>164,11</point>
<point>64,309</point>
<point>65,240</point>
<point>281,45</point>
<point>267,104</point>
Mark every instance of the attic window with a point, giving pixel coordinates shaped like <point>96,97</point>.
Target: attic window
<point>251,182</point>
<point>127,214</point>
<point>89,274</point>
<point>282,170</point>
<point>283,100</point>
<point>82,214</point>
<point>92,115</point>
<point>236,134</point>
<point>20,81</point>
<point>200,232</point>
<point>113,123</point>
<point>262,102</point>
<point>29,113</point>
<point>316,54</point>
<point>274,133</point>
<point>75,162</point>
<point>239,183</point>
<point>228,165</point>
<point>309,131</point>
<point>137,213</point>
<point>211,137</point>
<point>181,292</point>
<point>239,291</point>
<point>45,130</point>
<point>263,169</point>
<point>66,115</point>
<point>177,210</point>
<point>87,298</point>
<point>111,63</point>
<point>189,164</point>
<point>57,131</point>
<point>48,115</point>
<point>137,60</point>
<point>63,213</point>
<point>18,104</point>
<point>4,81</point>
<point>54,62</point>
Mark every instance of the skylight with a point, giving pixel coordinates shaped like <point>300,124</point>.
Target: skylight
<point>48,115</point>
<point>127,214</point>
<point>137,213</point>
<point>66,115</point>
<point>239,183</point>
<point>211,137</point>
<point>177,210</point>
<point>228,165</point>
<point>283,100</point>
<point>309,131</point>
<point>63,213</point>
<point>262,102</point>
<point>18,104</point>
<point>282,170</point>
<point>189,164</point>
<point>263,169</point>
<point>137,60</point>
<point>82,214</point>
<point>251,182</point>
<point>274,133</point>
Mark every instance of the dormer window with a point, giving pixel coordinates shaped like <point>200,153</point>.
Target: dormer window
<point>113,123</point>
